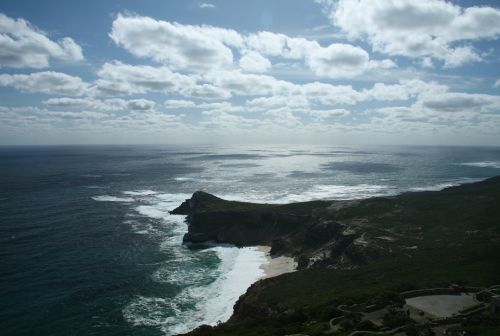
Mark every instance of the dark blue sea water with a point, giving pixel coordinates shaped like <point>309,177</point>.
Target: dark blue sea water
<point>87,246</point>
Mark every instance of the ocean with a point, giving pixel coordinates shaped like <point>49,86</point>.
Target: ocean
<point>87,246</point>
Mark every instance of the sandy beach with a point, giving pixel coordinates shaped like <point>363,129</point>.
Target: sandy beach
<point>275,266</point>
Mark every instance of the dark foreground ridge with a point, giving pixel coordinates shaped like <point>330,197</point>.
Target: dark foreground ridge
<point>363,251</point>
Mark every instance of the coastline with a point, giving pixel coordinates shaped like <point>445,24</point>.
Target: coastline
<point>275,266</point>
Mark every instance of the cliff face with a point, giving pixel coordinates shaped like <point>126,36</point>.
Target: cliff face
<point>307,231</point>
<point>344,234</point>
<point>210,218</point>
<point>241,228</point>
<point>353,251</point>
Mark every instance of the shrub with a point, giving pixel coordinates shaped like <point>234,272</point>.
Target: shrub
<point>395,319</point>
<point>367,325</point>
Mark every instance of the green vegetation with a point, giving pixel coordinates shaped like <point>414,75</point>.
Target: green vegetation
<point>456,234</point>
<point>301,208</point>
<point>316,291</point>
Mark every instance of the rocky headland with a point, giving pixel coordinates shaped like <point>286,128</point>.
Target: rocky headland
<point>352,251</point>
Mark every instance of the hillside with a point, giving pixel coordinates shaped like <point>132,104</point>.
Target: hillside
<point>353,251</point>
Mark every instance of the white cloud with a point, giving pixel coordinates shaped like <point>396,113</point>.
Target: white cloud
<point>335,60</point>
<point>180,46</point>
<point>247,84</point>
<point>205,91</point>
<point>118,79</point>
<point>22,45</point>
<point>426,28</point>
<point>206,5</point>
<point>48,82</point>
<point>280,45</point>
<point>497,83</point>
<point>328,94</point>
<point>204,48</point>
<point>338,60</point>
<point>460,102</point>
<point>114,104</point>
<point>459,56</point>
<point>266,103</point>
<point>140,104</point>
<point>252,61</point>
<point>220,120</point>
<point>405,90</point>
<point>321,115</point>
<point>268,43</point>
<point>80,115</point>
<point>444,110</point>
<point>426,62</point>
<point>179,104</point>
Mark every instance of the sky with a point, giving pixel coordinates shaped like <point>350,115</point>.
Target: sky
<point>251,72</point>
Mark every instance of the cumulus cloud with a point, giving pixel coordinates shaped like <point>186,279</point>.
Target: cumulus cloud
<point>446,110</point>
<point>334,60</point>
<point>252,61</point>
<point>246,84</point>
<point>48,82</point>
<point>140,104</point>
<point>267,103</point>
<point>204,48</point>
<point>118,79</point>
<point>179,104</point>
<point>328,94</point>
<point>338,60</point>
<point>47,122</point>
<point>205,91</point>
<point>497,83</point>
<point>427,28</point>
<point>80,115</point>
<point>461,102</point>
<point>405,90</point>
<point>206,5</point>
<point>321,115</point>
<point>114,104</point>
<point>22,45</point>
<point>180,46</point>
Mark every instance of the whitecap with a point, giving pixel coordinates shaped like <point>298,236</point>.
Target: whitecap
<point>107,198</point>
<point>342,192</point>
<point>92,175</point>
<point>444,185</point>
<point>205,304</point>
<point>240,267</point>
<point>140,193</point>
<point>317,192</point>
<point>152,211</point>
<point>482,164</point>
<point>183,179</point>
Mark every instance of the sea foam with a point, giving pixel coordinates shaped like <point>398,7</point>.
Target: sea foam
<point>444,185</point>
<point>108,198</point>
<point>317,192</point>
<point>140,193</point>
<point>483,164</point>
<point>208,294</point>
<point>201,304</point>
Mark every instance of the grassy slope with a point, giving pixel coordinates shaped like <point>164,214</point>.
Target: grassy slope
<point>460,230</point>
<point>302,208</point>
<point>315,292</point>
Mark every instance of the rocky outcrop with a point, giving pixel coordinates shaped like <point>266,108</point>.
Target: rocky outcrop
<point>382,245</point>
<point>305,231</point>
<point>334,234</point>
<point>200,201</point>
<point>213,219</point>
<point>241,228</point>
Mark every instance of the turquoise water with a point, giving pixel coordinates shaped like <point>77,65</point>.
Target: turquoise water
<point>87,246</point>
